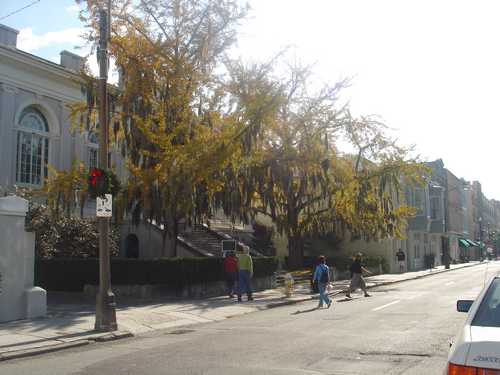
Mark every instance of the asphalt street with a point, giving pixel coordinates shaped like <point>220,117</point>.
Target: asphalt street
<point>404,328</point>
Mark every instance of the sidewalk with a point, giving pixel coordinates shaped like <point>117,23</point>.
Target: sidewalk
<point>70,322</point>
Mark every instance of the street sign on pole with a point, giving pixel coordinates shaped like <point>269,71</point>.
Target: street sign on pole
<point>104,206</point>
<point>106,306</point>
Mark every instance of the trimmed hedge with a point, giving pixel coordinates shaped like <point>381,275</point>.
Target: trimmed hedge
<point>70,275</point>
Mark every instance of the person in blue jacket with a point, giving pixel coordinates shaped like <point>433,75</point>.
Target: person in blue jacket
<point>322,276</point>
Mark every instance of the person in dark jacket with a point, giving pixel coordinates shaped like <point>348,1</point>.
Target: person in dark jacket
<point>357,280</point>
<point>314,283</point>
<point>231,270</point>
<point>401,257</point>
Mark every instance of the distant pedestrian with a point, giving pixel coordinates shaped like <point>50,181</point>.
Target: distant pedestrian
<point>314,282</point>
<point>401,257</point>
<point>357,280</point>
<point>322,277</point>
<point>231,271</point>
<point>245,272</point>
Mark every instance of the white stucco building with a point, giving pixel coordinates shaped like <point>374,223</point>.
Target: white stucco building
<point>36,132</point>
<point>35,124</point>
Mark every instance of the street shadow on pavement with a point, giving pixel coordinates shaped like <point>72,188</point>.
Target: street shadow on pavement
<point>75,305</point>
<point>59,322</point>
<point>304,311</point>
<point>345,299</point>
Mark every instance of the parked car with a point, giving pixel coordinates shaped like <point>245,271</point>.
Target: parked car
<point>476,349</point>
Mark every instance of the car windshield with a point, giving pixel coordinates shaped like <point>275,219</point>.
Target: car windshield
<point>488,314</point>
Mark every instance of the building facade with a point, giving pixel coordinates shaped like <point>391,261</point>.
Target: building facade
<point>35,124</point>
<point>36,132</point>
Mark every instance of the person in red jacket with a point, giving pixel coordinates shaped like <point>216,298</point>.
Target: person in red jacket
<point>231,270</point>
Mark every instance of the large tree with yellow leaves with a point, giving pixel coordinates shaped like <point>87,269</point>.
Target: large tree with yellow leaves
<point>176,137</point>
<point>300,179</point>
<point>202,133</point>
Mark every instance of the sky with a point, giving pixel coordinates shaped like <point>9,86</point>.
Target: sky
<point>430,69</point>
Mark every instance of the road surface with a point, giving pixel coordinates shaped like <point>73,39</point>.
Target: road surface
<point>403,328</point>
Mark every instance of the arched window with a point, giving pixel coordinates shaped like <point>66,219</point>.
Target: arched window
<point>32,147</point>
<point>93,150</point>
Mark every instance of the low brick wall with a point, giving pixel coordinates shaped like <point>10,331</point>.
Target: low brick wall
<point>204,290</point>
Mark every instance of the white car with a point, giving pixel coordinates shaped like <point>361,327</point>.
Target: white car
<point>476,349</point>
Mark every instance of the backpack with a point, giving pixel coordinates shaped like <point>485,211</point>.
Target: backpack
<point>324,277</point>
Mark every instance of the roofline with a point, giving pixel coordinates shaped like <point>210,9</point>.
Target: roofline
<point>66,52</point>
<point>48,65</point>
<point>5,27</point>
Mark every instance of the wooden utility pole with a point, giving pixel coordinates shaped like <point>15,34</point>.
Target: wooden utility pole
<point>106,306</point>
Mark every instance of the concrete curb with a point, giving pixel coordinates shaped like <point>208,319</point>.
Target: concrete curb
<point>42,350</point>
<point>337,292</point>
<point>111,336</point>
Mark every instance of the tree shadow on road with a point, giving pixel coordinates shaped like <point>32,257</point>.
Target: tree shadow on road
<point>304,311</point>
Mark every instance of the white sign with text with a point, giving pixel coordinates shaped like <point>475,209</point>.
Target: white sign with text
<point>104,206</point>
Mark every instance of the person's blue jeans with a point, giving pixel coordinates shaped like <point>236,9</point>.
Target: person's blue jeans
<point>323,295</point>
<point>244,285</point>
<point>231,278</point>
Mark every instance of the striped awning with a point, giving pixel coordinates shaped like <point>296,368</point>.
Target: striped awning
<point>463,242</point>
<point>473,243</point>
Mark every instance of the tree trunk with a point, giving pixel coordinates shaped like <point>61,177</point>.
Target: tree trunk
<point>295,252</point>
<point>175,234</point>
<point>172,231</point>
<point>174,245</point>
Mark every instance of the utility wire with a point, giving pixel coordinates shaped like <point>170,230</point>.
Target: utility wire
<point>19,10</point>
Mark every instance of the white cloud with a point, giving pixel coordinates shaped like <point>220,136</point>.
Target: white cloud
<point>73,9</point>
<point>30,42</point>
<point>429,68</point>
<point>94,68</point>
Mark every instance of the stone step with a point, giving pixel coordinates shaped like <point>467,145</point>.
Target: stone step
<point>201,238</point>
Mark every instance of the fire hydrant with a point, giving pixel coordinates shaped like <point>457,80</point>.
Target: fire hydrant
<point>288,285</point>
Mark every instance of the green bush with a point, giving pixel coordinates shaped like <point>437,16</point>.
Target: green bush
<point>67,275</point>
<point>71,275</point>
<point>375,261</point>
<point>265,266</point>
<point>67,237</point>
<point>263,239</point>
